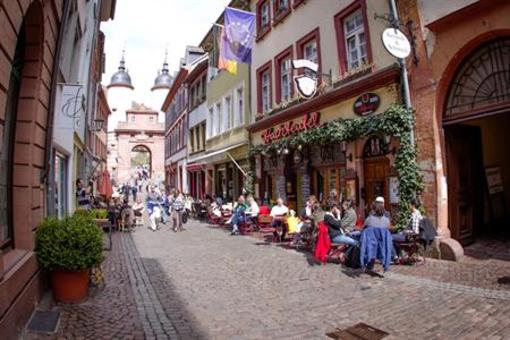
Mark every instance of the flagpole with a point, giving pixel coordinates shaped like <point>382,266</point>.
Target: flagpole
<point>240,10</point>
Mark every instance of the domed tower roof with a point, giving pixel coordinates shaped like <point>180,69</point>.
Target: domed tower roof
<point>121,78</point>
<point>164,80</point>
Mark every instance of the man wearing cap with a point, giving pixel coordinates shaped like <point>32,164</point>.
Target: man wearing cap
<point>380,200</point>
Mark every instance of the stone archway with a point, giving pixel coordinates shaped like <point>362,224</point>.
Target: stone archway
<point>476,118</point>
<point>141,160</point>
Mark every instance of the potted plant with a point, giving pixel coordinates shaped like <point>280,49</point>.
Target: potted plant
<point>100,216</point>
<point>68,248</point>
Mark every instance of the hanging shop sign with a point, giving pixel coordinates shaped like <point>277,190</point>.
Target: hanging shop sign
<point>396,43</point>
<point>310,121</point>
<point>306,84</point>
<point>366,104</point>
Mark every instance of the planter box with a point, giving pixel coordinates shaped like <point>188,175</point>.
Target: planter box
<point>102,223</point>
<point>69,286</point>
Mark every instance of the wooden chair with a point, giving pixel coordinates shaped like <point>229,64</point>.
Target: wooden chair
<point>265,224</point>
<point>412,251</point>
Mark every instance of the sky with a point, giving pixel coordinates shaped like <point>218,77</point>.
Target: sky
<point>145,28</point>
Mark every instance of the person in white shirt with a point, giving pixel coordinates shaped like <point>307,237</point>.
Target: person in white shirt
<point>279,210</point>
<point>253,208</point>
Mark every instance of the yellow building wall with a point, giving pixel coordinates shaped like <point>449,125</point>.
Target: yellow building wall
<point>388,96</point>
<point>223,84</point>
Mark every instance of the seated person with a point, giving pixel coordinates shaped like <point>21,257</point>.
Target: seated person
<point>238,215</point>
<point>253,209</point>
<point>413,227</point>
<point>378,218</point>
<point>294,223</point>
<point>278,213</point>
<point>349,216</point>
<point>264,210</point>
<point>337,234</point>
<point>138,207</point>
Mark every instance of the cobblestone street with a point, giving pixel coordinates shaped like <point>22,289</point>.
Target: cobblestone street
<point>203,283</point>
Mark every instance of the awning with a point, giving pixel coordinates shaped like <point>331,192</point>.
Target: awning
<point>195,167</point>
<point>216,156</point>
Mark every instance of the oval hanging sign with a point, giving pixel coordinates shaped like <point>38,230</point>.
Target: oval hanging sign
<point>396,43</point>
<point>366,104</point>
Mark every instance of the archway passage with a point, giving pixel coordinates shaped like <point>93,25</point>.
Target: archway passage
<point>141,161</point>
<point>476,121</point>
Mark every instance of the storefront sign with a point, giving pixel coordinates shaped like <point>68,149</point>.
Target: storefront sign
<point>494,180</point>
<point>396,43</point>
<point>366,104</point>
<point>310,121</point>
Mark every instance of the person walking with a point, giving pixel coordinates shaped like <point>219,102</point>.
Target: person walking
<point>176,207</point>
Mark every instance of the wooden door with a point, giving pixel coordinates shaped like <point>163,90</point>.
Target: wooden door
<point>465,176</point>
<point>377,172</point>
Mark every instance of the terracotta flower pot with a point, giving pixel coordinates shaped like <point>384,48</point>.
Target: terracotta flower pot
<point>69,286</point>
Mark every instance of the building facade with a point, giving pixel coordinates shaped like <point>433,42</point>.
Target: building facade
<point>120,96</point>
<point>354,70</point>
<point>222,164</point>
<point>80,70</point>
<point>176,107</point>
<point>461,94</point>
<point>140,145</point>
<point>37,57</point>
<point>196,82</point>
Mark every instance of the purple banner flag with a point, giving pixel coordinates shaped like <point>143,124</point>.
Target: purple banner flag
<point>238,35</point>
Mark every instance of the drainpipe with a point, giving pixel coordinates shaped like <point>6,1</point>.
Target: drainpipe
<point>403,67</point>
<point>48,152</point>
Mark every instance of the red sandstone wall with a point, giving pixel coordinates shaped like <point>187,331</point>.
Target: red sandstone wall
<point>20,285</point>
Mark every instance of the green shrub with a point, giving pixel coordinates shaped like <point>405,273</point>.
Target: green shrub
<point>82,212</point>
<point>73,243</point>
<point>98,213</point>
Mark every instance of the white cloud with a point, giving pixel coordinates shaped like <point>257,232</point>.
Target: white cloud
<point>146,28</point>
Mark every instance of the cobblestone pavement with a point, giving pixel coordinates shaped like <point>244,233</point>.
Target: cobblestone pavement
<point>110,311</point>
<point>204,284</point>
<point>214,286</point>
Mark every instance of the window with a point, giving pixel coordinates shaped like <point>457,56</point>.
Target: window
<point>203,135</point>
<point>264,88</point>
<point>284,88</point>
<point>281,9</point>
<point>218,119</point>
<point>204,86</point>
<point>133,118</point>
<point>227,114</point>
<point>353,36</point>
<point>309,48</point>
<point>192,139</point>
<point>266,92</point>
<point>285,79</point>
<point>239,107</point>
<point>355,40</point>
<point>151,119</point>
<point>263,18</point>
<point>212,127</point>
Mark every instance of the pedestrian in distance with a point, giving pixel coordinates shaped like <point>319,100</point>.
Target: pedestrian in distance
<point>177,207</point>
<point>82,195</point>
